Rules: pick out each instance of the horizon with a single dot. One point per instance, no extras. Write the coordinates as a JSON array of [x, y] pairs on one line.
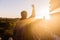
[[12, 8]]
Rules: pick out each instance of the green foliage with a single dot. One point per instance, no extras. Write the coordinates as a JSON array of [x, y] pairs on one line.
[[7, 25]]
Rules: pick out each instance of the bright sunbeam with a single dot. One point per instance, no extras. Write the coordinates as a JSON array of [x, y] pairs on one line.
[[43, 12]]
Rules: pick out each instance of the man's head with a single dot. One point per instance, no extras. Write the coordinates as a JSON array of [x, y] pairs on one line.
[[24, 14]]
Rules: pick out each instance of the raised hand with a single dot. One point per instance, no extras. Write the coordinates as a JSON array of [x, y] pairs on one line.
[[32, 6]]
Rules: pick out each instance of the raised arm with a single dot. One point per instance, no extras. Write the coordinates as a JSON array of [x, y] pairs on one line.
[[33, 12]]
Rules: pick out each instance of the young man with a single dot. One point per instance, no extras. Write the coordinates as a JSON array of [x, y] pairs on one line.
[[22, 30]]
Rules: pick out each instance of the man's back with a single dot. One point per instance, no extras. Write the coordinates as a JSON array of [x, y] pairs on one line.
[[22, 29]]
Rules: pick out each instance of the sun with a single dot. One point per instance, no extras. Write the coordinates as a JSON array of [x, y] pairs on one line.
[[43, 12]]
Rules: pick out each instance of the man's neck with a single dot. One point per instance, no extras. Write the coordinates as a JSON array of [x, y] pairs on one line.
[[22, 18]]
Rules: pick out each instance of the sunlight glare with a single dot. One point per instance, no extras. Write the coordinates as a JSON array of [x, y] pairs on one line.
[[43, 12]]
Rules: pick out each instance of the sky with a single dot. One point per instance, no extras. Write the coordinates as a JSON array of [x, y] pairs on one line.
[[13, 8]]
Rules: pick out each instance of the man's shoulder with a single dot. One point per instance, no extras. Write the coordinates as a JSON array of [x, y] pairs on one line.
[[18, 20]]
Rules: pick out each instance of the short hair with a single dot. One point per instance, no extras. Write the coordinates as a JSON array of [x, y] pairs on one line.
[[24, 11]]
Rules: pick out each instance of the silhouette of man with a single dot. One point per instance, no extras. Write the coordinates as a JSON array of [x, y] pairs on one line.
[[21, 31]]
